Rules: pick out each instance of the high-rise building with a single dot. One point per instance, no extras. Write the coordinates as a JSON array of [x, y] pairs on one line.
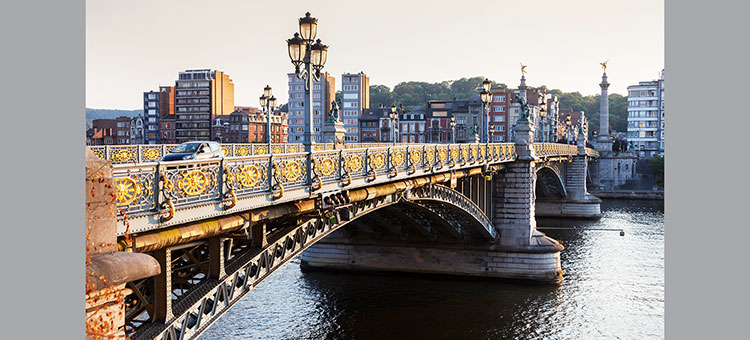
[[646, 117], [151, 105], [355, 97], [324, 92], [156, 105], [201, 96]]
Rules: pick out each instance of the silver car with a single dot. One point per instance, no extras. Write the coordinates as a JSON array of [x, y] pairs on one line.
[[194, 150]]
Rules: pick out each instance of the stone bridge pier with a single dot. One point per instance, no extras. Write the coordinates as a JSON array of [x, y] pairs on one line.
[[567, 195], [384, 241]]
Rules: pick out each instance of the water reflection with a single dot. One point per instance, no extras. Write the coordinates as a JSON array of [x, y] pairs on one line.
[[613, 289]]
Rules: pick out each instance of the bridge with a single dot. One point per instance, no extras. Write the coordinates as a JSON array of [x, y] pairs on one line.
[[193, 237]]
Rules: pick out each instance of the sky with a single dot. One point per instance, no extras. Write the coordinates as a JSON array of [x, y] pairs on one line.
[[137, 45]]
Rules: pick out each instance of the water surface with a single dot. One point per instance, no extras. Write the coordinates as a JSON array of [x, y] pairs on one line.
[[613, 288]]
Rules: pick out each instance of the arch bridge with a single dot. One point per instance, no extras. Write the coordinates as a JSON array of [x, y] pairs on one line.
[[207, 232]]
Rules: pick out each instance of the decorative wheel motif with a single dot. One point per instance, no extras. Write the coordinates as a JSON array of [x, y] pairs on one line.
[[430, 155], [122, 156], [127, 189], [241, 151], [354, 163], [398, 158], [318, 148], [442, 154], [151, 154], [291, 171], [377, 160], [326, 167], [226, 151], [260, 150], [193, 183], [415, 157], [276, 149], [249, 176], [292, 149]]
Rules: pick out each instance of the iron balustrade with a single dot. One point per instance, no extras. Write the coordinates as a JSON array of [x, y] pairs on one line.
[[162, 188]]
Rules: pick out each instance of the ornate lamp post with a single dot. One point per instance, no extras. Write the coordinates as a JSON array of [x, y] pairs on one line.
[[453, 130], [302, 50], [267, 105], [486, 97], [567, 124], [393, 115]]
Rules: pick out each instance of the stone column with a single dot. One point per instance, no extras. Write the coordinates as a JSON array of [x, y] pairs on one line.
[[334, 132], [514, 192], [603, 143], [107, 270]]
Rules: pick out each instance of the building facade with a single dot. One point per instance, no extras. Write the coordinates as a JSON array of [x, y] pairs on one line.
[[151, 111], [355, 97], [324, 92], [201, 96], [138, 130], [502, 98], [167, 129], [412, 126], [646, 117], [247, 125]]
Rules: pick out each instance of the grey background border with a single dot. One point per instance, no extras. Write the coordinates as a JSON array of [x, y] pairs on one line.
[[707, 233], [43, 235], [42, 232]]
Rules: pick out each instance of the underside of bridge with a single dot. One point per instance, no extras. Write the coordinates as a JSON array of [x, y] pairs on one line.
[[424, 229]]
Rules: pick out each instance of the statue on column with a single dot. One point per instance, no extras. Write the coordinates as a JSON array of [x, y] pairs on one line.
[[604, 65], [524, 108], [333, 113]]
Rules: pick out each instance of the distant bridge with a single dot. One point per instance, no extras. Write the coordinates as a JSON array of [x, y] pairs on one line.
[[219, 227]]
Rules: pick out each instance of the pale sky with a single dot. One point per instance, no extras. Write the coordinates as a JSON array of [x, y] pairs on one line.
[[136, 45]]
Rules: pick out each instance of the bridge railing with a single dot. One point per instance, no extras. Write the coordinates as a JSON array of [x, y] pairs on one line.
[[164, 187], [120, 154], [160, 189]]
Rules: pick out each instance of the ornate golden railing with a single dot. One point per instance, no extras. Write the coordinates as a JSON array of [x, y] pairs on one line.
[[161, 188]]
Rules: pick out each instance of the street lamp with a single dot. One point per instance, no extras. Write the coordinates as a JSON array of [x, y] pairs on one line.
[[393, 115], [486, 97], [492, 131], [453, 130], [303, 49], [542, 115], [267, 105], [567, 123]]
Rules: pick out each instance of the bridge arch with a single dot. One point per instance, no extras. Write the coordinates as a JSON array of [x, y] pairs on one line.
[[206, 302], [549, 183]]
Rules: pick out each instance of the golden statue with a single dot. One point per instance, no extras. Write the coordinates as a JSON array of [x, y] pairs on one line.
[[604, 65], [523, 69]]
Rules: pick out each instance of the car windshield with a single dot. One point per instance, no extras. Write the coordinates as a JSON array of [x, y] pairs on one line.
[[186, 148]]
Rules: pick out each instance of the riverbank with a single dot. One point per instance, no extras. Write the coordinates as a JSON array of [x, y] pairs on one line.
[[630, 194]]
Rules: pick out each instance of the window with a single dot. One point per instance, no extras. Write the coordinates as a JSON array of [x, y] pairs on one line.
[[500, 108], [499, 99], [151, 104], [498, 118]]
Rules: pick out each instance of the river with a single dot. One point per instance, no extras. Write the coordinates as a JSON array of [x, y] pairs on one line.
[[613, 288]]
